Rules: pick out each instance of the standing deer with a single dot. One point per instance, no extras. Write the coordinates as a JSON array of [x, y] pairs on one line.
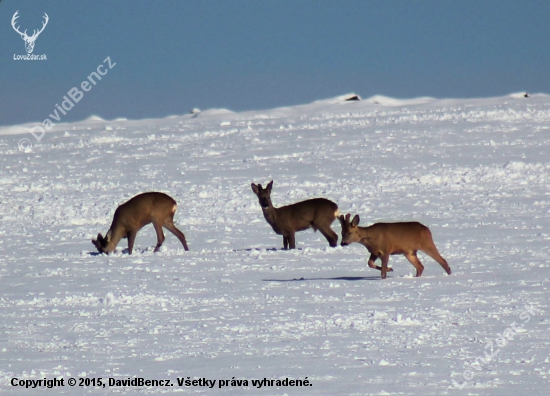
[[317, 213], [385, 239], [132, 216]]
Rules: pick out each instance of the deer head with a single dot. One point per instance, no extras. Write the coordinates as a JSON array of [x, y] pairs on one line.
[[101, 243], [349, 229], [264, 194], [29, 40]]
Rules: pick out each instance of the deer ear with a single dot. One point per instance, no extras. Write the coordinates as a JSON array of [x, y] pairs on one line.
[[269, 186], [98, 242], [255, 188], [355, 221], [341, 218]]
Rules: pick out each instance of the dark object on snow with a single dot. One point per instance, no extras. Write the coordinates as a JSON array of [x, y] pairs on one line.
[[352, 98], [526, 95]]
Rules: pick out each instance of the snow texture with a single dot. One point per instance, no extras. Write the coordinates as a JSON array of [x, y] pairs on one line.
[[476, 171]]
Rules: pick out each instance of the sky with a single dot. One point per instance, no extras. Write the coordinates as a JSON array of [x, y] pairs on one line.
[[172, 56]]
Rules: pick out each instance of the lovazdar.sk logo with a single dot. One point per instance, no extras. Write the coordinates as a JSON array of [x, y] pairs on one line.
[[29, 40]]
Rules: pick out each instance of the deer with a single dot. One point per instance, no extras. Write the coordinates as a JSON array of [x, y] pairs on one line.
[[29, 40], [130, 217], [316, 213], [385, 239]]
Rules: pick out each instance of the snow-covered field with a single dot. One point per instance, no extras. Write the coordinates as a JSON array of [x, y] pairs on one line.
[[236, 306]]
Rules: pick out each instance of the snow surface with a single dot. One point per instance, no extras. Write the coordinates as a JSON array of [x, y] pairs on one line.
[[475, 171]]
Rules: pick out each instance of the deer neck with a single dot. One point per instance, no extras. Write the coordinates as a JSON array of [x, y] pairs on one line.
[[114, 235], [270, 214]]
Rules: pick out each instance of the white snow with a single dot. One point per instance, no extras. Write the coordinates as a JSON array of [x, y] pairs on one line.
[[392, 102], [476, 171], [94, 118]]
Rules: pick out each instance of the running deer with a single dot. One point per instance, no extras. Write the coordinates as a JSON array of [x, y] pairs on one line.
[[385, 239], [317, 213], [132, 216]]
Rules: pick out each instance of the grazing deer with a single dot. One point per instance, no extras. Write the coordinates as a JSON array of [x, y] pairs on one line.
[[317, 213], [385, 239], [132, 216]]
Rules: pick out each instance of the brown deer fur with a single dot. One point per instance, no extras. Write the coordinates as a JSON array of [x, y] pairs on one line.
[[131, 216], [317, 213], [385, 239]]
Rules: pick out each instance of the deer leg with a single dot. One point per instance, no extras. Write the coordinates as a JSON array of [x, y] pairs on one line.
[[285, 242], [173, 229], [330, 235], [291, 241], [160, 236], [415, 262], [385, 258], [131, 238], [372, 259], [433, 253]]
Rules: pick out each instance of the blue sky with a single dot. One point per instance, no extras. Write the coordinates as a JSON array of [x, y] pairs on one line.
[[172, 56]]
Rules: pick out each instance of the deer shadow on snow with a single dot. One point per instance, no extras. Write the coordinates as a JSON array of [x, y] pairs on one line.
[[271, 249], [124, 251], [336, 278], [302, 279]]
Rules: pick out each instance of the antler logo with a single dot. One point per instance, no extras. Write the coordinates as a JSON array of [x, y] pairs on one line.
[[29, 40]]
